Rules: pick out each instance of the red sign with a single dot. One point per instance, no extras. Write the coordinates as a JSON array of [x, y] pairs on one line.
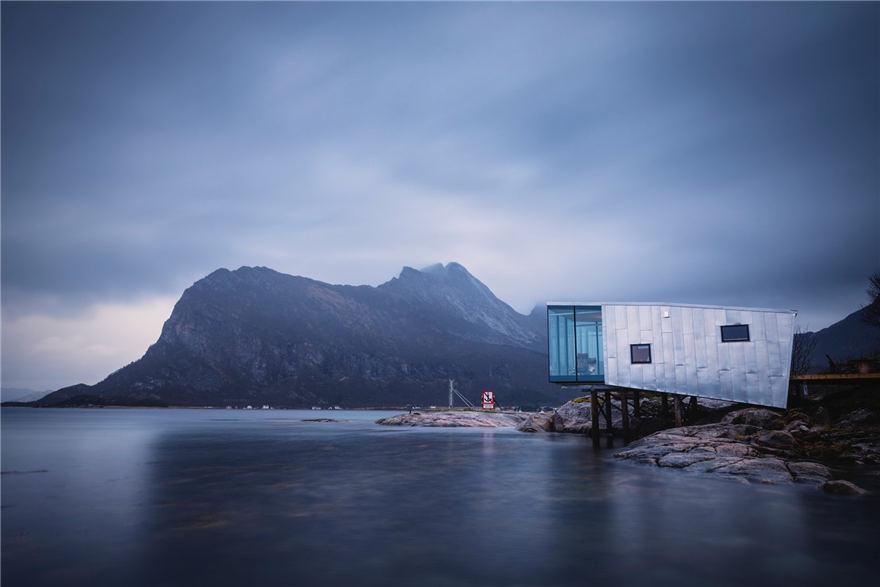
[[488, 399]]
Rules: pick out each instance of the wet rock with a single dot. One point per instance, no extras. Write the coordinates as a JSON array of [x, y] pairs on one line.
[[841, 487], [809, 472], [538, 422], [759, 417], [457, 419]]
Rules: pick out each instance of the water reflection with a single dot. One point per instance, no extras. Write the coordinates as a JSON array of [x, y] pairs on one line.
[[167, 497]]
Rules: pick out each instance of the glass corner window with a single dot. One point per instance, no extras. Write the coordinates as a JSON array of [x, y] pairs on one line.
[[575, 344]]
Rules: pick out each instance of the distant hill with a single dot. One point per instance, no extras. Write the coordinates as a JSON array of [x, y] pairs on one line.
[[256, 336], [850, 338], [18, 394]]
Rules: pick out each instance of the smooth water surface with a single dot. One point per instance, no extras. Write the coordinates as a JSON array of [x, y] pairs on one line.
[[217, 497]]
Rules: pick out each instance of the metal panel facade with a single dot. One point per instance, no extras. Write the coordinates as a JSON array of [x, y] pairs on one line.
[[688, 356]]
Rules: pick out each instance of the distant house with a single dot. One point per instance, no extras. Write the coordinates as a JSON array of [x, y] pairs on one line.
[[733, 354]]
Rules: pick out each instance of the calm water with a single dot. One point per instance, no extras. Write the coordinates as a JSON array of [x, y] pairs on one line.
[[213, 497]]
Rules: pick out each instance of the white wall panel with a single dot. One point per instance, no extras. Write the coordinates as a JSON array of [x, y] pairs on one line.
[[688, 356]]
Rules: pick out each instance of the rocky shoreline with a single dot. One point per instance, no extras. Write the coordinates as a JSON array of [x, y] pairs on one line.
[[456, 419], [763, 446], [810, 445], [799, 446]]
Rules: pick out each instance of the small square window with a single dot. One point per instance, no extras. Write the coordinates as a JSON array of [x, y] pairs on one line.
[[640, 353], [735, 333]]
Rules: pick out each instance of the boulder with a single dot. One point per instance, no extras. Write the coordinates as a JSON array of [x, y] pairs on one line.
[[538, 422], [576, 416], [841, 487], [759, 417], [778, 439]]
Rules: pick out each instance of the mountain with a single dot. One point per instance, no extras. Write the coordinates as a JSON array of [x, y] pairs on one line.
[[18, 394], [850, 338], [256, 336]]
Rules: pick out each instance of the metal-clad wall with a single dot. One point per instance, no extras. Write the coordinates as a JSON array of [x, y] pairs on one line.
[[689, 358]]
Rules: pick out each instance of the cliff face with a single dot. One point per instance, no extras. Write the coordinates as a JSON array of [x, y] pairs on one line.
[[257, 336]]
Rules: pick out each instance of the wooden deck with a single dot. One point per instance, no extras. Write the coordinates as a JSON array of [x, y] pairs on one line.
[[835, 377]]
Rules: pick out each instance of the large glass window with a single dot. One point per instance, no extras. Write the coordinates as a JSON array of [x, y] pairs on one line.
[[575, 338], [560, 330]]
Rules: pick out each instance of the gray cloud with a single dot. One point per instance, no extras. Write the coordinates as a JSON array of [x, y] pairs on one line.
[[693, 152]]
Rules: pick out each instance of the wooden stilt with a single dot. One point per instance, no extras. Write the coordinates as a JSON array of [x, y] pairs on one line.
[[676, 402], [608, 412], [664, 405], [594, 414], [637, 412], [624, 410]]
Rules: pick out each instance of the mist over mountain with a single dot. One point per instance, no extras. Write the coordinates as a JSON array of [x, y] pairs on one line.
[[257, 336], [20, 394]]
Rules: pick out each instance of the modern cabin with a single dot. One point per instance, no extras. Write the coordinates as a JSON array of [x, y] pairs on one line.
[[733, 354]]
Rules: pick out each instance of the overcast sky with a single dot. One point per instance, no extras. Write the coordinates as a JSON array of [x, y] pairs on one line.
[[723, 154]]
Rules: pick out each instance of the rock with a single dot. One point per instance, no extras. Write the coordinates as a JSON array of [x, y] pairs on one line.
[[457, 419], [759, 417], [713, 404], [809, 472], [735, 449], [761, 470], [576, 416], [796, 426], [777, 439], [679, 460], [821, 417], [725, 450], [857, 418], [538, 422], [841, 487]]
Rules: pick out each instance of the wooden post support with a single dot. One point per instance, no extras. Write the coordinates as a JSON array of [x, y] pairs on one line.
[[677, 408], [637, 412], [624, 410], [664, 405], [594, 413], [608, 412]]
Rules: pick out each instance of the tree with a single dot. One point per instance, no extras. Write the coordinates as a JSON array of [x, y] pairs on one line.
[[802, 351]]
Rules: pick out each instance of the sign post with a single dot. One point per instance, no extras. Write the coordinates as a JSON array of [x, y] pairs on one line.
[[488, 399]]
